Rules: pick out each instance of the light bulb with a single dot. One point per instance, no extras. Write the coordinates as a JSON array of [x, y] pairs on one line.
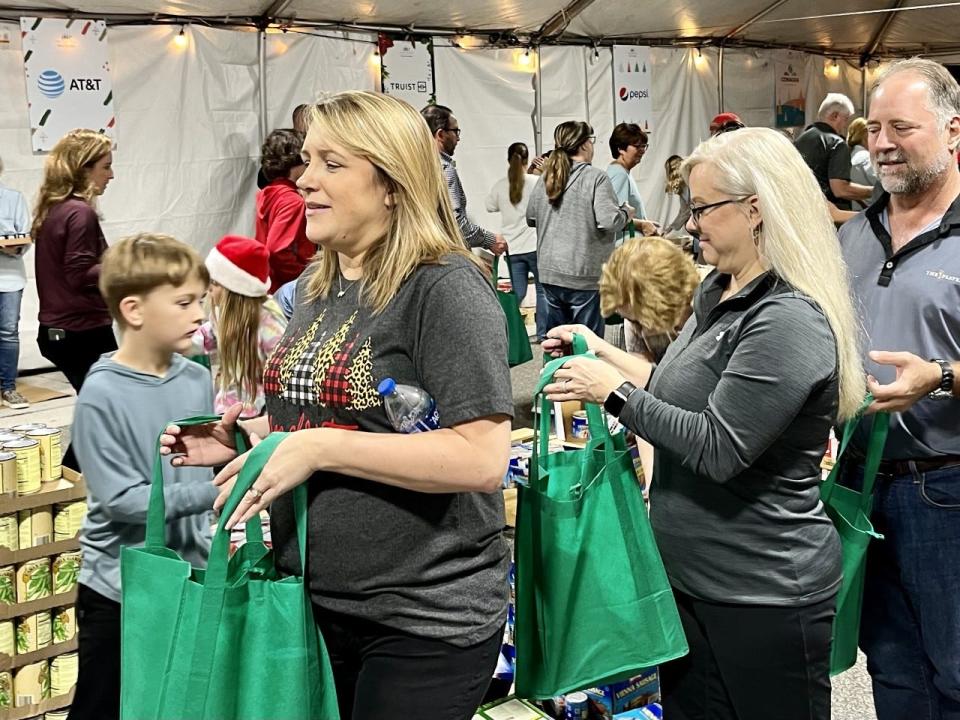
[[525, 59], [181, 39], [375, 58]]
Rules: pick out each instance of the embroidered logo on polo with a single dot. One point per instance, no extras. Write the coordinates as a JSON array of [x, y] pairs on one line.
[[941, 275], [326, 369]]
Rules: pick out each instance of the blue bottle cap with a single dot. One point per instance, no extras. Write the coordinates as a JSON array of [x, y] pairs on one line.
[[387, 386]]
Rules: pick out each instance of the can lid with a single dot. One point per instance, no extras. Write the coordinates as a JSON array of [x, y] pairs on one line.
[[42, 432], [21, 443], [4, 456], [27, 426], [579, 697]]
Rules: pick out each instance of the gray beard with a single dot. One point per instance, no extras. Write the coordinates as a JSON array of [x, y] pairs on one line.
[[915, 180]]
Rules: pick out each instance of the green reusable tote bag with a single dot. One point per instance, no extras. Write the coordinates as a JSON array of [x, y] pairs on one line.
[[520, 351], [593, 601], [235, 641], [850, 512]]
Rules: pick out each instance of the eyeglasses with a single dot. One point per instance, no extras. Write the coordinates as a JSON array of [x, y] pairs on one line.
[[453, 130], [642, 148], [592, 138], [698, 211]]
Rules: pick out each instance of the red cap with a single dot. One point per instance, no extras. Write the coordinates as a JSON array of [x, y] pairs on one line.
[[722, 119]]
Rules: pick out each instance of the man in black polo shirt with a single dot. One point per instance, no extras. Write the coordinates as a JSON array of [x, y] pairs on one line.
[[904, 258], [825, 150]]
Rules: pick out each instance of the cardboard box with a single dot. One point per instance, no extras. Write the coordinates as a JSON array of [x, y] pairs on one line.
[[608, 700], [510, 708], [653, 711]]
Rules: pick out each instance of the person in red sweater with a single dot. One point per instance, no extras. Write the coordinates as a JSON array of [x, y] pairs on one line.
[[75, 325], [281, 222]]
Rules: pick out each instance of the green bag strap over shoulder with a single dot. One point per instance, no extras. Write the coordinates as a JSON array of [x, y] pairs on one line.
[[157, 510], [880, 426], [216, 579]]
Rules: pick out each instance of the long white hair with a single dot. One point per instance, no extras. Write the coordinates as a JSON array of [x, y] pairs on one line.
[[797, 239]]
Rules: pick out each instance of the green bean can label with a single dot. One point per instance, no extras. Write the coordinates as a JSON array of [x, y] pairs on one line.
[[6, 690], [7, 639], [9, 532], [64, 624], [31, 684], [33, 632], [63, 673], [66, 571], [8, 585], [36, 526], [8, 473], [28, 464], [34, 580], [50, 452]]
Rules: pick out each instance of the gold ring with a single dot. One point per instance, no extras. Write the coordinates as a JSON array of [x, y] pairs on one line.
[[256, 493]]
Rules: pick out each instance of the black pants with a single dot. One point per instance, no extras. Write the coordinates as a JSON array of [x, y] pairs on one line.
[[73, 355], [382, 674], [98, 683], [750, 662]]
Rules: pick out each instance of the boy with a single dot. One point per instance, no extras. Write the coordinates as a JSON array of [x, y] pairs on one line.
[[153, 286]]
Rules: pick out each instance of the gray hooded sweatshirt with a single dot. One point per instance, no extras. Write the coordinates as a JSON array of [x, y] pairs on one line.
[[575, 238], [119, 416]]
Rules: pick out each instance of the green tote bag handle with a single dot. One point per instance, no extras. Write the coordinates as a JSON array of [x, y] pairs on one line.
[[157, 510], [874, 455]]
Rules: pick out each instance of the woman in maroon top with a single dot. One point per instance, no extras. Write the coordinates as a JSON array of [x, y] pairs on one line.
[[281, 219], [75, 325]]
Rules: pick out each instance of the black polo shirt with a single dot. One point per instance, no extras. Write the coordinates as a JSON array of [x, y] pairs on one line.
[[828, 155]]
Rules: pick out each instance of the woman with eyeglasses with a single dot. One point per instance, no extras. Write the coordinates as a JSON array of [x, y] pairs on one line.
[[628, 144], [739, 410], [577, 215]]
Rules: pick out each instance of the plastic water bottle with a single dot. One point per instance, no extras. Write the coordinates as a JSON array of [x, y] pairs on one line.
[[409, 409]]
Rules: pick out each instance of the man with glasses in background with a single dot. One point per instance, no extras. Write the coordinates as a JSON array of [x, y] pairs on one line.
[[446, 133]]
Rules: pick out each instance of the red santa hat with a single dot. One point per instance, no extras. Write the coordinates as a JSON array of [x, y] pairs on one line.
[[241, 265]]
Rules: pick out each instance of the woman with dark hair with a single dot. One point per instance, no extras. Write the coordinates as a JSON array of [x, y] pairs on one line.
[[577, 216], [628, 144], [509, 197], [281, 222]]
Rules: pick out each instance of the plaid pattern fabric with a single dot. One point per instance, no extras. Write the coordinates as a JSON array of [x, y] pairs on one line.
[[335, 390], [300, 388], [473, 234]]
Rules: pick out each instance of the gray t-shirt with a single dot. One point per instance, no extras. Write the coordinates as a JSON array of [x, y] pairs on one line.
[[432, 565], [739, 411]]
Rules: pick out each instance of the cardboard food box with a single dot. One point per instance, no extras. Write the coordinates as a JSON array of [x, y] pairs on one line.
[[510, 708], [608, 700]]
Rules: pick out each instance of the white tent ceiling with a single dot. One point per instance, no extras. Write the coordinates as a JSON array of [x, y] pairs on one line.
[[854, 27]]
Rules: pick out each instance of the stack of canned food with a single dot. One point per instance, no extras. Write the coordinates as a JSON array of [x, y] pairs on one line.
[[29, 456]]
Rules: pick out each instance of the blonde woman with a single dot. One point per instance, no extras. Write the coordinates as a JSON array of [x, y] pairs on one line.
[[407, 566], [739, 410], [75, 325], [861, 169]]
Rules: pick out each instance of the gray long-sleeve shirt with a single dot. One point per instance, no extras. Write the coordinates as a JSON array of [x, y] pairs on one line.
[[576, 237], [739, 411]]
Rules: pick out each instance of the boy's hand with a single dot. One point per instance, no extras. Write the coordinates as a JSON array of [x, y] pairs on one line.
[[202, 445]]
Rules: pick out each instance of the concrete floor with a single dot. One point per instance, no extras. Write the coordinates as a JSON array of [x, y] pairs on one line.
[[852, 699]]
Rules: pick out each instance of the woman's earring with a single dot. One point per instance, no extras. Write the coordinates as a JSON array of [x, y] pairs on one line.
[[757, 234]]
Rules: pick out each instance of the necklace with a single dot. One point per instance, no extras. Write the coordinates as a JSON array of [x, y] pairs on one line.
[[343, 291]]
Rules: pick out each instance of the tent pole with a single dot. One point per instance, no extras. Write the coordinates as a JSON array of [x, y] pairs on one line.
[[262, 57], [538, 106], [863, 87], [720, 79]]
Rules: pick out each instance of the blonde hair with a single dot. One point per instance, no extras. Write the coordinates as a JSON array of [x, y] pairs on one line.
[[236, 320], [857, 132], [567, 137], [796, 239], [141, 263], [652, 280], [394, 137], [65, 171]]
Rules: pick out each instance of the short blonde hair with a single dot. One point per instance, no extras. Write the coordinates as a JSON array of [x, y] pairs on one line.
[[394, 137], [141, 263], [857, 132], [650, 279]]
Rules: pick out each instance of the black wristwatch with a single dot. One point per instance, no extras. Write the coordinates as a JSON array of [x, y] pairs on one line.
[[618, 398], [946, 380]]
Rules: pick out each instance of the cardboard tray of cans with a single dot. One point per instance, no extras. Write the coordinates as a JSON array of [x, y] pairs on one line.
[[8, 663], [8, 612], [31, 711], [70, 487]]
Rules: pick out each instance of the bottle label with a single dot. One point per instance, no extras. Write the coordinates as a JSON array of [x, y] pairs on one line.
[[431, 421]]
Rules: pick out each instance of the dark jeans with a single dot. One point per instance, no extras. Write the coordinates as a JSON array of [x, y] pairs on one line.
[[73, 356], [910, 628], [98, 682], [382, 674], [9, 338], [750, 662], [566, 306], [521, 266]]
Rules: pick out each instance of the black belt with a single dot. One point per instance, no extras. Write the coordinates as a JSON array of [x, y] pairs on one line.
[[906, 467]]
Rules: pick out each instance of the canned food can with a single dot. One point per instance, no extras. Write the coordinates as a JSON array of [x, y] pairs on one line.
[[28, 464], [579, 427], [7, 435], [67, 519], [576, 706], [64, 624], [35, 526], [6, 690], [8, 585], [33, 632], [9, 532], [8, 472], [66, 570], [33, 580], [50, 452], [24, 428], [56, 714], [63, 673], [7, 638], [31, 684]]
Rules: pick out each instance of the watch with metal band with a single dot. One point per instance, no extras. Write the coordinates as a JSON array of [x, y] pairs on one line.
[[946, 380], [618, 398]]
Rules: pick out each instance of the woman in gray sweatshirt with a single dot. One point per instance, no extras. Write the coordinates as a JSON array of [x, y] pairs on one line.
[[577, 216]]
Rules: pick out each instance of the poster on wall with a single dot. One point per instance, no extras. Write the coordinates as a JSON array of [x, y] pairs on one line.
[[791, 104], [68, 78], [632, 72], [406, 70]]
